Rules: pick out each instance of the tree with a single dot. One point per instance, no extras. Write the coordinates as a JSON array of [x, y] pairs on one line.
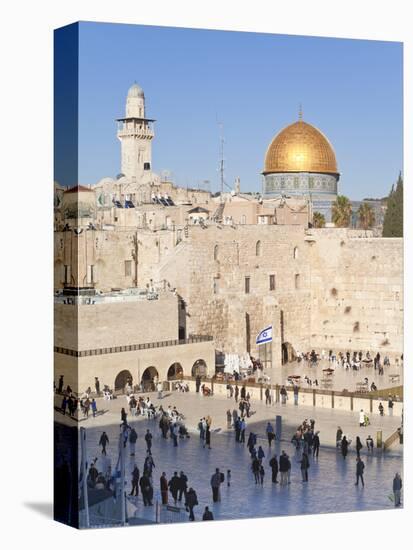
[[318, 219], [393, 219], [366, 215], [341, 211]]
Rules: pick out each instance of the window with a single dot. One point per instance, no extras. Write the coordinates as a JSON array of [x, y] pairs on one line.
[[295, 253], [216, 252], [272, 282], [258, 248], [216, 285], [128, 268], [90, 274], [67, 274], [247, 285], [146, 165], [297, 281]]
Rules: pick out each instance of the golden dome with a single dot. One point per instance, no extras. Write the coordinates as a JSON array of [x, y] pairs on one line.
[[300, 147]]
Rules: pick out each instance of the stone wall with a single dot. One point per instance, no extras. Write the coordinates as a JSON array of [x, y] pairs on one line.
[[356, 292]]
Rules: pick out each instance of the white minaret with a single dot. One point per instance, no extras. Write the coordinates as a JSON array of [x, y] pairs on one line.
[[135, 133]]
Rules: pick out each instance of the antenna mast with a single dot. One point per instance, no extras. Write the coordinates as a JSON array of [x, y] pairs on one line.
[[221, 161]]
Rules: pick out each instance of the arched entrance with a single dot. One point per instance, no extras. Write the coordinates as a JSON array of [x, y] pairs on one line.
[[287, 353], [175, 371], [199, 368], [123, 378], [150, 377]]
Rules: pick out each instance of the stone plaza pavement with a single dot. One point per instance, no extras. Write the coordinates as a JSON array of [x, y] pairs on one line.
[[331, 479], [342, 378]]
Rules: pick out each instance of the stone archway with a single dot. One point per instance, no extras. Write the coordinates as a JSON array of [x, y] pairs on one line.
[[150, 377], [123, 378], [199, 368], [175, 372], [287, 353]]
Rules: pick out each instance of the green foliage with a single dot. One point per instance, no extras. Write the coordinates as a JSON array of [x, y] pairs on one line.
[[341, 211], [393, 219], [366, 216], [319, 219]]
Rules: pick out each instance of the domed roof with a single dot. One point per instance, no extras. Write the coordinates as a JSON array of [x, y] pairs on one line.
[[300, 147], [135, 91]]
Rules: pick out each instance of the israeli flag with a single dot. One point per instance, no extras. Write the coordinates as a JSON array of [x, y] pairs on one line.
[[264, 336]]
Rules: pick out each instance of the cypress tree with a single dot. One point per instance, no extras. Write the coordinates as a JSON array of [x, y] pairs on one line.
[[393, 219]]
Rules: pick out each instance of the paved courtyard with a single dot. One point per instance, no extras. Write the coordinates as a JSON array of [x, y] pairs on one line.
[[341, 378], [331, 479]]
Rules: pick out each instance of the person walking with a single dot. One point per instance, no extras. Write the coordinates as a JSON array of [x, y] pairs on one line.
[[97, 386], [229, 419], [103, 441], [370, 444], [359, 446], [64, 405], [148, 439], [208, 515], [197, 383], [94, 407], [344, 446], [381, 409], [146, 490], [267, 396], [397, 487], [390, 405], [260, 453], [159, 388], [255, 467], [135, 482], [283, 393], [191, 502], [133, 436], [163, 483], [361, 419], [304, 465], [236, 393], [175, 432], [296, 390], [216, 481], [174, 486], [339, 435], [284, 468], [228, 478], [123, 416], [270, 433], [274, 469], [262, 474], [207, 437], [243, 425], [60, 386], [183, 486], [359, 471], [316, 444]]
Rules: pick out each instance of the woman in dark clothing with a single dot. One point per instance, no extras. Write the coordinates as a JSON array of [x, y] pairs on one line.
[[344, 446], [146, 489], [123, 416], [164, 488], [191, 501], [207, 438], [359, 446], [305, 464]]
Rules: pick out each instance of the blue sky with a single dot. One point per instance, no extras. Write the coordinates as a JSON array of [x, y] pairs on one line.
[[253, 84]]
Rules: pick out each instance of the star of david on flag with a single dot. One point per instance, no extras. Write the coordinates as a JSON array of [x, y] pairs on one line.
[[264, 336]]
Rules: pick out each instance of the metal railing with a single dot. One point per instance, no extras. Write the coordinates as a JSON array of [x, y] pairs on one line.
[[133, 347]]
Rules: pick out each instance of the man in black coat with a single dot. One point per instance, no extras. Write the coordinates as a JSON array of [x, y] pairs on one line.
[[274, 468], [135, 482], [191, 501], [316, 444], [173, 485], [183, 486], [359, 471], [146, 489]]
